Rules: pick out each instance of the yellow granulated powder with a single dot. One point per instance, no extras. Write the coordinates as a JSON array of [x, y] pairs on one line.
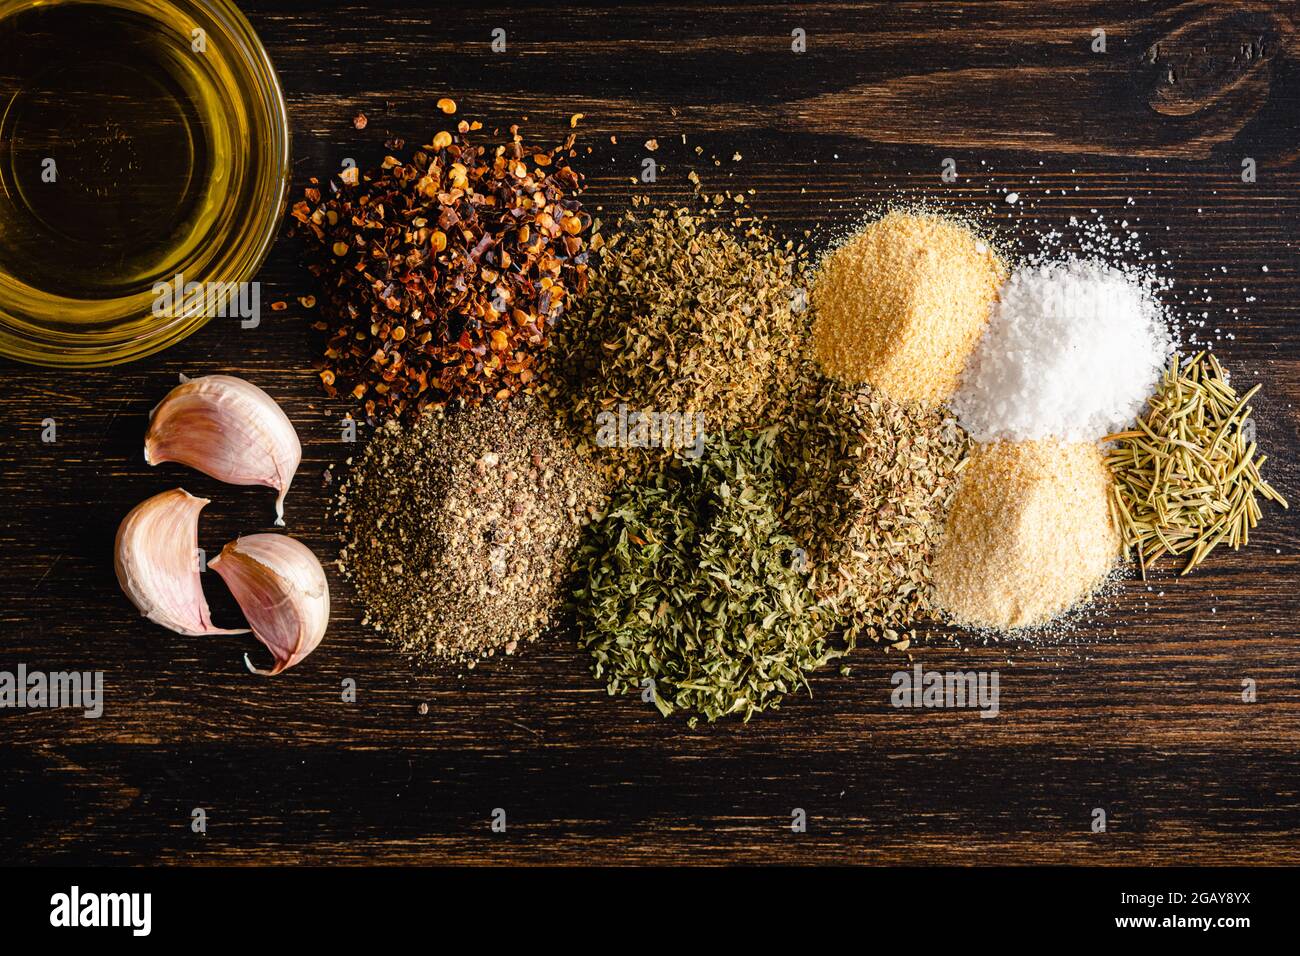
[[901, 305], [1029, 535]]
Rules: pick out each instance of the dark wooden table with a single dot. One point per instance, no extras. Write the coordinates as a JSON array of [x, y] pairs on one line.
[[1139, 713]]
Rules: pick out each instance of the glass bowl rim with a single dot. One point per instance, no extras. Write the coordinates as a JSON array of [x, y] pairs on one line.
[[54, 351]]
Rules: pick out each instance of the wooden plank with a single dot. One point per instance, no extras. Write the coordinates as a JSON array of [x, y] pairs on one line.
[[1138, 712]]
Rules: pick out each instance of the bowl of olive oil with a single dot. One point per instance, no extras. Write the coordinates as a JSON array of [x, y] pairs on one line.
[[144, 148]]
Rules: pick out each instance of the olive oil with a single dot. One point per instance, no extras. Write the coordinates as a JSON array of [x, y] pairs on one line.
[[140, 141]]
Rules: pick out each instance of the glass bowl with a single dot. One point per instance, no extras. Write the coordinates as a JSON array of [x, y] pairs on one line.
[[144, 152]]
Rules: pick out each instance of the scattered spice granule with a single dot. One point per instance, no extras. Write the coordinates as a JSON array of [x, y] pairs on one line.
[[1030, 534], [902, 303], [458, 529], [360, 121]]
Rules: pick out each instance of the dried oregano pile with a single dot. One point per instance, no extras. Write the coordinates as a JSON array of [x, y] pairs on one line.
[[458, 529], [692, 591], [869, 481], [688, 312]]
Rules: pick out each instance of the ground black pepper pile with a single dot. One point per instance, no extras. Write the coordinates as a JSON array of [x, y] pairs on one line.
[[458, 529]]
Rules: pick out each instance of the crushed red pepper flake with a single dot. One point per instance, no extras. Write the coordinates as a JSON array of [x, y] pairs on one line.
[[443, 275]]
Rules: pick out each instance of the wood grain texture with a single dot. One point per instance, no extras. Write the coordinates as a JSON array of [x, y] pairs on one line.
[[1138, 712]]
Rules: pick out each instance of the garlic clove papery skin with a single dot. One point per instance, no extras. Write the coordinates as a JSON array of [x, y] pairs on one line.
[[229, 429], [282, 590], [157, 562]]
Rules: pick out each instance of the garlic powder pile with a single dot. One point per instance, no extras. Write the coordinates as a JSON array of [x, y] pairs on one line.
[[1073, 350], [901, 304]]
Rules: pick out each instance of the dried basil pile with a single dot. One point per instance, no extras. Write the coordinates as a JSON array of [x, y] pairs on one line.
[[689, 581], [442, 276]]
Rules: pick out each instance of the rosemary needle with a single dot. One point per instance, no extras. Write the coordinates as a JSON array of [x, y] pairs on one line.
[[1186, 478]]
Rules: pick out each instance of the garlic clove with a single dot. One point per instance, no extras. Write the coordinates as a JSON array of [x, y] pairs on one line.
[[281, 588], [156, 559], [229, 429]]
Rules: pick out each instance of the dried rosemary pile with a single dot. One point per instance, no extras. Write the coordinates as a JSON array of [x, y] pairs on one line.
[[690, 590], [458, 529], [687, 313], [442, 275], [1187, 477], [869, 483]]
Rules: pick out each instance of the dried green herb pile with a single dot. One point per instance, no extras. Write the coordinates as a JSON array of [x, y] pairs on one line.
[[687, 312], [869, 482], [442, 275], [689, 580], [458, 530], [1187, 478]]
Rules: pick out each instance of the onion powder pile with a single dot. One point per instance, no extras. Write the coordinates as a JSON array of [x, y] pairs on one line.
[[1073, 351], [1029, 536]]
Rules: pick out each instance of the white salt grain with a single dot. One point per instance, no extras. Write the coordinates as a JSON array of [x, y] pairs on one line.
[[1072, 351]]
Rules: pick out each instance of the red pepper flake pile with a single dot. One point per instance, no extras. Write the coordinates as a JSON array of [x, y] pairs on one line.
[[442, 276]]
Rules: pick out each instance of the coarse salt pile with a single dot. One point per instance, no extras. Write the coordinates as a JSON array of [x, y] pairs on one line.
[[1030, 534], [901, 305], [1073, 350]]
